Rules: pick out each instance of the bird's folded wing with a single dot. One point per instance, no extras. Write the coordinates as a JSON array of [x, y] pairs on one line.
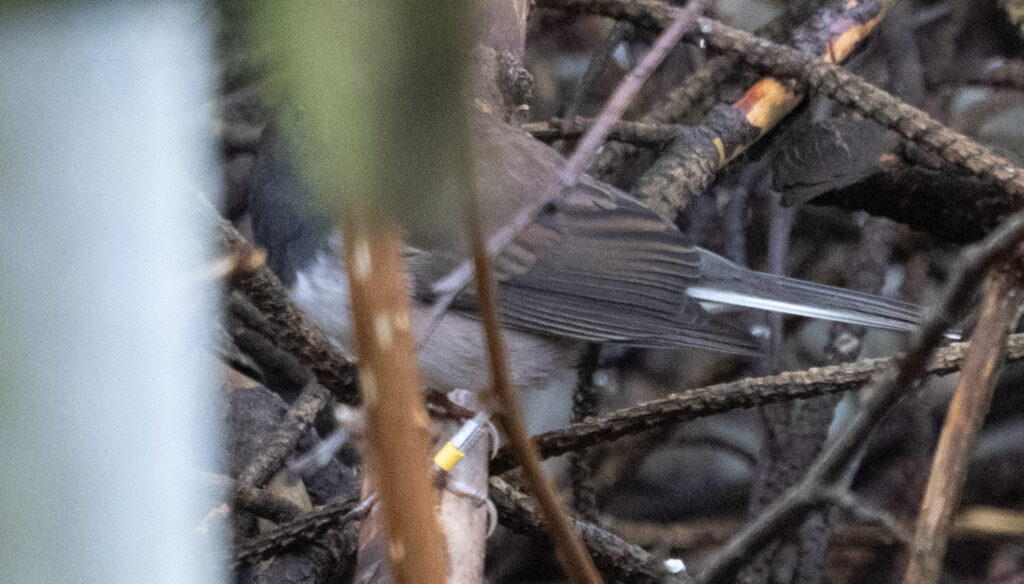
[[598, 266]]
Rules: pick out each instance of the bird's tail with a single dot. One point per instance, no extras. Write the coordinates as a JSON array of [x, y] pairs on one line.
[[726, 283]]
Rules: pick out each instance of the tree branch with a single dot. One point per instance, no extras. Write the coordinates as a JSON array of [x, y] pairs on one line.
[[967, 412], [746, 393]]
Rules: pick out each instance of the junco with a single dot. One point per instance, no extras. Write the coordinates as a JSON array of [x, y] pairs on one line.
[[596, 266]]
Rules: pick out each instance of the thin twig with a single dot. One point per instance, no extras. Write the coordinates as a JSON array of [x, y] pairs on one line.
[[306, 527], [652, 135], [460, 277], [575, 560], [683, 21], [885, 392], [960, 432]]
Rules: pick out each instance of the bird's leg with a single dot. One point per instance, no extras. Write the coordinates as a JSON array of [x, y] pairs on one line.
[[453, 451]]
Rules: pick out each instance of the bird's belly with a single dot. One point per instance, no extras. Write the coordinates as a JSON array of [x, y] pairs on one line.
[[542, 369], [455, 355]]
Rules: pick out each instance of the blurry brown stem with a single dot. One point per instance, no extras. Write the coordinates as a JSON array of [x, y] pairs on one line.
[[397, 426], [575, 560], [960, 432]]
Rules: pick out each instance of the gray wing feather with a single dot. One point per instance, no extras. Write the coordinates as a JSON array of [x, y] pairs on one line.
[[598, 266]]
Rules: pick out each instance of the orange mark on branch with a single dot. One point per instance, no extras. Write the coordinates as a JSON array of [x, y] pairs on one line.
[[847, 41], [768, 101], [764, 104], [751, 97]]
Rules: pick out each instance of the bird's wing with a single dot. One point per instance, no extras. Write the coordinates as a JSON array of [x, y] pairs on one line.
[[598, 266], [595, 265]]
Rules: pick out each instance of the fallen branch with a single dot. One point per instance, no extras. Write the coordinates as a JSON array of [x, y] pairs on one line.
[[746, 393], [622, 560], [309, 526], [290, 328], [296, 422]]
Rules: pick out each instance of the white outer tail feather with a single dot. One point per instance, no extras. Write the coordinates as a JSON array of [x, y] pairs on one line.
[[733, 298]]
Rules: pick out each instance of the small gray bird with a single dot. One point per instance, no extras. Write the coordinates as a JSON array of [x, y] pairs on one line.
[[595, 266]]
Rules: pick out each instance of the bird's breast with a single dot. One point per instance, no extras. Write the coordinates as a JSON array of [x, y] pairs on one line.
[[454, 356]]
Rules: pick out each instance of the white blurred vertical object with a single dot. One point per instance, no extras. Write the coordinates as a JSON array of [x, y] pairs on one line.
[[104, 404]]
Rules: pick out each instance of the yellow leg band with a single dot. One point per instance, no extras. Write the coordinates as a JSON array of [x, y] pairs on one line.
[[448, 457]]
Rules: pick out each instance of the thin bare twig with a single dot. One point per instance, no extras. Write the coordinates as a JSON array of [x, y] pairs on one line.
[[653, 135], [960, 432], [460, 277], [683, 21], [575, 560]]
